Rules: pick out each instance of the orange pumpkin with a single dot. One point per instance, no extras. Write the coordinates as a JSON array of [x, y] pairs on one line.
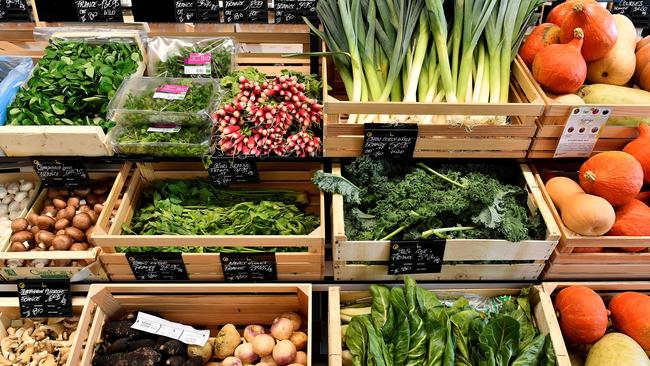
[[642, 42], [644, 197], [543, 35], [631, 315], [597, 24], [642, 71], [632, 219], [613, 175], [560, 68], [558, 13], [640, 149], [582, 314]]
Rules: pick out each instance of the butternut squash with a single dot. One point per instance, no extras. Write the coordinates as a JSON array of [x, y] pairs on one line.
[[618, 65], [582, 213]]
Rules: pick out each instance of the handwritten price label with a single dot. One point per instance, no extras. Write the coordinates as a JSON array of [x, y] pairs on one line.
[[157, 266], [390, 140], [416, 256], [44, 298]]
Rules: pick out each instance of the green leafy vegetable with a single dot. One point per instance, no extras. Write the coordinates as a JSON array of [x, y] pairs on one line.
[[221, 53], [330, 183], [139, 139]]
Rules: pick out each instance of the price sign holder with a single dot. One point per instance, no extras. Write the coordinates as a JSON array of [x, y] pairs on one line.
[[246, 11], [242, 267], [637, 10], [44, 298], [61, 172], [185, 11], [390, 140], [292, 11], [157, 266], [224, 171], [416, 256], [208, 11], [14, 11], [581, 131], [95, 11]]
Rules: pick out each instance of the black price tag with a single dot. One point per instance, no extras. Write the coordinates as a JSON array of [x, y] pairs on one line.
[[416, 256], [208, 11], [226, 171], [307, 9], [61, 172], [637, 10], [246, 11], [157, 266], [44, 298], [14, 11], [95, 11], [285, 12], [185, 11], [242, 267], [390, 140]]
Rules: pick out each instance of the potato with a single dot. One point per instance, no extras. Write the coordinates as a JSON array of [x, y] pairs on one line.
[[19, 225], [281, 329], [284, 352], [296, 321], [252, 331], [204, 352], [299, 339], [226, 341], [263, 344], [245, 353]]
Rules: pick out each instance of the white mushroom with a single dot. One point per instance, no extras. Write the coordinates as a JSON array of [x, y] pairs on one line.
[[7, 199], [26, 186], [13, 206], [4, 208], [15, 263], [13, 187], [20, 196], [3, 192]]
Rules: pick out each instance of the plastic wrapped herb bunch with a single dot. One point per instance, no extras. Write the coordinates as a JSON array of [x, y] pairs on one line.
[[195, 57]]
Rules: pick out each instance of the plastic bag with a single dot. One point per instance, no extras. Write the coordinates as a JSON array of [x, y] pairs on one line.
[[194, 57], [95, 33], [13, 73]]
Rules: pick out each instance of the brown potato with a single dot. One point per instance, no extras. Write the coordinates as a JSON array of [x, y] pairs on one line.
[[61, 224], [62, 242], [76, 234], [22, 236], [19, 225], [59, 203], [46, 222]]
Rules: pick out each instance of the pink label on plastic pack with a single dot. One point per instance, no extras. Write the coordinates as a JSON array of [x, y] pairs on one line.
[[173, 89], [198, 59]]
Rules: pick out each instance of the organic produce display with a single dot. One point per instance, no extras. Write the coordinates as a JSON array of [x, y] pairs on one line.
[[583, 319], [160, 141], [73, 83], [268, 117], [65, 222], [411, 326], [420, 50], [14, 199], [191, 56], [38, 342], [284, 344], [390, 200]]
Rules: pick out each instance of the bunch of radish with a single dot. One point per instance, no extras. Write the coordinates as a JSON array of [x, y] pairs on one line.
[[273, 117]]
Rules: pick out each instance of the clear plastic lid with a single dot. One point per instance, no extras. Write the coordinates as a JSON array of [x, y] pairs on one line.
[[166, 140]]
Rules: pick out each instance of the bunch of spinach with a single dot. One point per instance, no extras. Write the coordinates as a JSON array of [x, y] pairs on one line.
[[410, 326], [138, 139], [221, 51], [73, 83], [388, 200]]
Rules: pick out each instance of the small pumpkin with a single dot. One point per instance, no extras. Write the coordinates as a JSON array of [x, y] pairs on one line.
[[597, 24], [644, 197], [613, 175], [630, 312], [543, 35], [632, 219], [618, 65], [640, 149], [558, 13], [560, 68], [582, 314], [582, 213], [642, 42]]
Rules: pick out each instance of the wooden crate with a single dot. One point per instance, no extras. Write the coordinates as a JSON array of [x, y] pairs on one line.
[[10, 310], [27, 176], [198, 305], [308, 265], [524, 260], [93, 272], [551, 125], [607, 290], [566, 265], [343, 139], [540, 302]]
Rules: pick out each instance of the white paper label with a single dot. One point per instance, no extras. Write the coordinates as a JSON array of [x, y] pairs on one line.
[[581, 131], [155, 325], [197, 69], [164, 129], [171, 92]]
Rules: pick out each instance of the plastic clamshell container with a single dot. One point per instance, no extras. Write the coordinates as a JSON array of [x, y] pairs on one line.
[[194, 143]]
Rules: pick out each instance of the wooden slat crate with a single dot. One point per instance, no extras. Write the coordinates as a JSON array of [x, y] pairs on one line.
[[607, 290], [609, 265], [308, 265], [518, 261], [551, 125], [343, 139], [94, 271], [540, 302], [15, 177], [205, 306]]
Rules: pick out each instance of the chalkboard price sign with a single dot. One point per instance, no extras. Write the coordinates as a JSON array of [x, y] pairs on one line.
[[307, 9], [226, 171], [637, 10], [14, 11], [285, 12], [246, 11], [239, 267], [157, 266], [390, 140], [94, 11], [44, 298], [61, 172], [416, 256], [208, 11], [197, 11], [185, 10]]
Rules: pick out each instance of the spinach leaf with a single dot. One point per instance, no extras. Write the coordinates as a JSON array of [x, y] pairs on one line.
[[499, 340], [356, 338], [402, 331], [418, 337], [531, 352]]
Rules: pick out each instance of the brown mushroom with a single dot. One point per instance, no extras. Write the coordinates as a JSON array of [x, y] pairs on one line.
[[98, 208], [61, 224], [84, 208], [76, 234], [69, 213], [45, 222], [17, 247], [62, 263], [59, 203], [100, 190], [52, 193], [79, 246], [60, 232], [35, 229], [89, 233], [91, 199], [44, 237], [22, 236], [82, 192], [19, 225], [73, 201], [93, 216], [32, 217], [62, 242], [82, 221], [49, 210]]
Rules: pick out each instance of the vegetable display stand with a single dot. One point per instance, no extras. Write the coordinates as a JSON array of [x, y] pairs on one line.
[[303, 261], [66, 138], [464, 259], [551, 124], [609, 263], [540, 303], [61, 349], [80, 264], [512, 140], [202, 306]]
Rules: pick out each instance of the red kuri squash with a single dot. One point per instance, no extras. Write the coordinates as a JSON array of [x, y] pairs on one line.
[[543, 35], [596, 22], [582, 314], [560, 68], [613, 175], [631, 315], [558, 13], [632, 219], [640, 149]]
